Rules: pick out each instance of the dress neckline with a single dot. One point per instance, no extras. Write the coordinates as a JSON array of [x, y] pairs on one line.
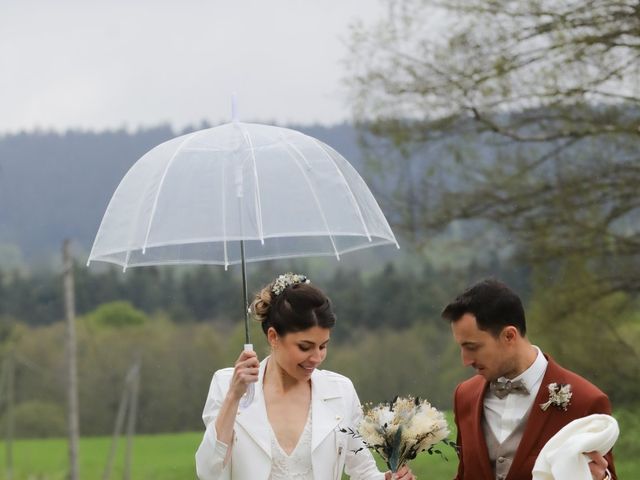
[[305, 430]]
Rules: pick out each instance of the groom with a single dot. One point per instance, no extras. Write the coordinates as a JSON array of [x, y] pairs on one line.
[[502, 426]]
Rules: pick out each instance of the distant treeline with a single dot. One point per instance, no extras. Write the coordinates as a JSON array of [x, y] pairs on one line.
[[177, 362], [392, 297], [183, 324]]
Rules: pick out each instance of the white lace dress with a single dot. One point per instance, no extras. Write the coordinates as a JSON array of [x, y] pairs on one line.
[[297, 465]]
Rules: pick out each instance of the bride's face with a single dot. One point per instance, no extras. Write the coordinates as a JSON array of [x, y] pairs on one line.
[[300, 353]]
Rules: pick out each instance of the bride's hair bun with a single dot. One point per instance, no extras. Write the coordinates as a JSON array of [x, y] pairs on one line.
[[261, 304]]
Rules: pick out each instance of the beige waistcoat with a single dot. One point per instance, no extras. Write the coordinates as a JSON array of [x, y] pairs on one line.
[[501, 454]]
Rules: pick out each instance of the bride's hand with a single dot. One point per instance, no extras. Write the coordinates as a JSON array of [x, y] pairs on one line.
[[403, 473], [245, 372]]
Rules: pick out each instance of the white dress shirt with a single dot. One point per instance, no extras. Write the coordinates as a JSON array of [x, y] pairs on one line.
[[504, 414]]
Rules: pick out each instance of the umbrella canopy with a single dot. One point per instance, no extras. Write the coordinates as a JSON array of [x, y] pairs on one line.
[[192, 199]]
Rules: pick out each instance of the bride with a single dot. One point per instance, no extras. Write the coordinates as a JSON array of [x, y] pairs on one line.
[[292, 429]]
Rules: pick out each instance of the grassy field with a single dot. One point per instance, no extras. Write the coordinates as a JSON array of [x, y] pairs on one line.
[[171, 457], [155, 457]]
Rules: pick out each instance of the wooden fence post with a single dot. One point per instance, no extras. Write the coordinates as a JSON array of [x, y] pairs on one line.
[[72, 379]]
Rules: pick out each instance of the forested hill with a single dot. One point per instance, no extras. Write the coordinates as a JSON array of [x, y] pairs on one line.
[[56, 185]]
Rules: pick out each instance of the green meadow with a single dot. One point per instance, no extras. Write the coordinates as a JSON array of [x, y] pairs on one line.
[[171, 457], [155, 457]]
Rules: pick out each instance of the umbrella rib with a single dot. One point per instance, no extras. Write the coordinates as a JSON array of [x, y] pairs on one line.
[[224, 218], [313, 192], [155, 200], [247, 138], [351, 194]]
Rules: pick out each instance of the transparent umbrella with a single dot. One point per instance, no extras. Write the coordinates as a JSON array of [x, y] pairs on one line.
[[193, 199], [237, 193]]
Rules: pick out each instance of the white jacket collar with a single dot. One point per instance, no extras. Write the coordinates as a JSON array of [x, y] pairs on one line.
[[326, 411]]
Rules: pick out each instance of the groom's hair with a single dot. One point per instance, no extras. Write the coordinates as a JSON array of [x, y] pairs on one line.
[[494, 305]]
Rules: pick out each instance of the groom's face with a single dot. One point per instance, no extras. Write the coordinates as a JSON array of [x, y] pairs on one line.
[[479, 349]]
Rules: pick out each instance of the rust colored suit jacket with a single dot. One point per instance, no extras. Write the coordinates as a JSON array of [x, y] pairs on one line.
[[541, 426]]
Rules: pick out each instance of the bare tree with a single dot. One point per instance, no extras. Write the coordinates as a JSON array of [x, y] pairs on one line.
[[525, 114], [518, 122]]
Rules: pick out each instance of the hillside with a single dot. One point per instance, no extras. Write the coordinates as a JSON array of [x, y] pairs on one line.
[[56, 185]]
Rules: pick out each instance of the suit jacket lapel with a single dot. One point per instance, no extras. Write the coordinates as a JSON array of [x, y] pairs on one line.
[[537, 418], [326, 409], [481, 441], [253, 419]]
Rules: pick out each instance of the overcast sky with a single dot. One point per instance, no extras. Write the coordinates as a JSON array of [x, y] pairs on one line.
[[111, 64]]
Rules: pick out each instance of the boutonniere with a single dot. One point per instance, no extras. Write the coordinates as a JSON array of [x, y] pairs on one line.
[[559, 396]]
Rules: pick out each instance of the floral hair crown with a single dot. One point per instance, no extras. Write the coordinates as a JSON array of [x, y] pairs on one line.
[[286, 280]]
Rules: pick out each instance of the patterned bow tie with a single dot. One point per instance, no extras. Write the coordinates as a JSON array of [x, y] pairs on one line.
[[501, 388]]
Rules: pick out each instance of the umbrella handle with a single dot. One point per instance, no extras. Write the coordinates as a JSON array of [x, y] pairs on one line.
[[247, 398]]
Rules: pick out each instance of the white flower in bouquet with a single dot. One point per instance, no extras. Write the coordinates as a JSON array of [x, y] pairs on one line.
[[399, 430]]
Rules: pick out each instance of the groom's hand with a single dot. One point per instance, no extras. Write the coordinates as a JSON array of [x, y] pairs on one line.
[[598, 466]]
